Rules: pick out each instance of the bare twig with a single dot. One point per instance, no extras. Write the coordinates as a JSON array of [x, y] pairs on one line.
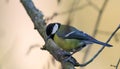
[[51, 17], [116, 66], [101, 48], [71, 13], [31, 47], [93, 5], [74, 9], [58, 1], [66, 12], [118, 63], [116, 37], [96, 28], [99, 17]]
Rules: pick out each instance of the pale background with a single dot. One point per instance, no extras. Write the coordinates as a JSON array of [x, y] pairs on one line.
[[17, 34]]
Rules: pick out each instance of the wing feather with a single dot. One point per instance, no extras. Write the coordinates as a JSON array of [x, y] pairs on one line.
[[73, 33]]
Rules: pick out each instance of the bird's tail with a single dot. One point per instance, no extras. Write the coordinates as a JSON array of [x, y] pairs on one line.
[[101, 43]]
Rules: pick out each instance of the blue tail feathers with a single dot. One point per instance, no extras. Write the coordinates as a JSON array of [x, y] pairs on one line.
[[102, 43]]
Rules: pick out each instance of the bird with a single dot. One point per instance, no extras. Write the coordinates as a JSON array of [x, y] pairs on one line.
[[70, 38]]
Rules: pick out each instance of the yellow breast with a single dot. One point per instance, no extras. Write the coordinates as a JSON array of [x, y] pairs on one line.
[[66, 44]]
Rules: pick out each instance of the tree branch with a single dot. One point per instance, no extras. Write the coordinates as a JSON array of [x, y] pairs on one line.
[[60, 55], [39, 24]]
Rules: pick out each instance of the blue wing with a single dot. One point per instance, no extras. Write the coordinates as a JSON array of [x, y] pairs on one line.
[[73, 33]]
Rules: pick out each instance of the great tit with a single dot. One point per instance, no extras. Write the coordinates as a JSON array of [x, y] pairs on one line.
[[69, 38]]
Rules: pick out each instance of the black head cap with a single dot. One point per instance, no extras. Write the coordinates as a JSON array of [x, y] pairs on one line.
[[52, 29]]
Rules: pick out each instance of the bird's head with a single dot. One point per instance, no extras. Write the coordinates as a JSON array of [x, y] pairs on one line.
[[52, 29]]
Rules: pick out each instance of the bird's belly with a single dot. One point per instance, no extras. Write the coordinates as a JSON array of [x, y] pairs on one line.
[[67, 44]]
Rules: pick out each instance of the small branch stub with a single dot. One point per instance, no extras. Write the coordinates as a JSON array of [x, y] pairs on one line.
[[39, 23], [60, 55]]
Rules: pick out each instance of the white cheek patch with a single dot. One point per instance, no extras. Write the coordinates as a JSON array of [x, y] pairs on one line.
[[55, 28]]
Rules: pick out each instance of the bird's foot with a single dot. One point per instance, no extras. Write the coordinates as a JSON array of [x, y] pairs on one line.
[[67, 58], [71, 59]]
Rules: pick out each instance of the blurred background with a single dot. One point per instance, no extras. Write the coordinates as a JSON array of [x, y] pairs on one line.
[[20, 44]]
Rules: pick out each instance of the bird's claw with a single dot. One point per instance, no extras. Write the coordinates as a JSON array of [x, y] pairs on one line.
[[71, 60]]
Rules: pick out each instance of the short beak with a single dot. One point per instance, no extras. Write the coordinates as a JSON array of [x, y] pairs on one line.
[[48, 37]]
